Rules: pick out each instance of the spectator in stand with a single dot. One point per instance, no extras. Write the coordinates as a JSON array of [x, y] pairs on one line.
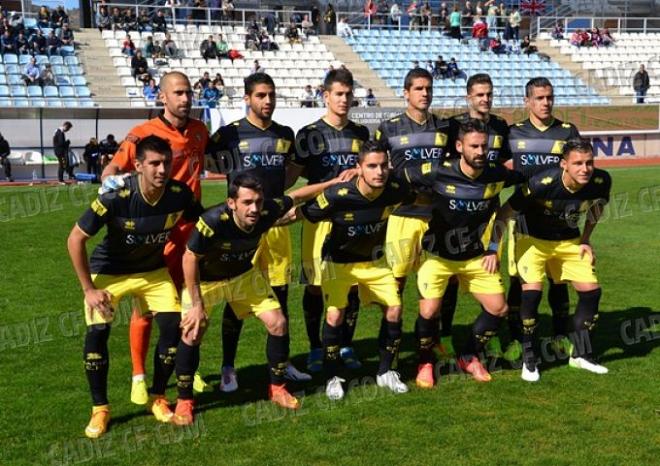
[[440, 68], [413, 15], [211, 95], [330, 20], [151, 90], [270, 22], [38, 43], [425, 14], [316, 18], [318, 96], [159, 23], [130, 20], [128, 47], [467, 15], [496, 46], [514, 22], [265, 44], [382, 12], [251, 39], [478, 11], [209, 49], [140, 68], [576, 38], [103, 19], [148, 47], [369, 11], [585, 38], [169, 46], [43, 17], [91, 156], [157, 51], [144, 22], [5, 150], [480, 33], [292, 34], [641, 84], [52, 44], [491, 16], [46, 76], [343, 29], [66, 35], [61, 148], [596, 39], [307, 97], [202, 83], [257, 68], [108, 148], [219, 84], [429, 66], [7, 43], [59, 18], [443, 17], [558, 31], [31, 73], [455, 24], [607, 37], [452, 69], [502, 18], [21, 44], [223, 47], [395, 14], [117, 19], [228, 10], [307, 26], [526, 46], [370, 99]]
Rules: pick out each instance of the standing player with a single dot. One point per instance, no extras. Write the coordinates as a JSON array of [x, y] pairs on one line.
[[188, 138], [412, 138], [325, 149], [140, 217], [552, 204], [536, 145], [353, 254], [218, 266], [480, 102], [465, 196], [258, 145]]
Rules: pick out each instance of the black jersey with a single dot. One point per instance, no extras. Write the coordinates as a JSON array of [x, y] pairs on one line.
[[358, 223], [551, 211], [137, 230], [227, 250], [325, 151], [498, 137], [411, 144], [534, 150], [462, 206], [242, 147]]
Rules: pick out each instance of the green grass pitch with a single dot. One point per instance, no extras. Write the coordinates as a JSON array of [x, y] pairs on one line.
[[570, 417]]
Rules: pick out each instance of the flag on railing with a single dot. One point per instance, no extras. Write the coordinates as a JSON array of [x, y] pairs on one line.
[[532, 7]]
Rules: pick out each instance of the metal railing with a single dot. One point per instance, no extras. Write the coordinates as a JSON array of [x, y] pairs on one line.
[[614, 24]]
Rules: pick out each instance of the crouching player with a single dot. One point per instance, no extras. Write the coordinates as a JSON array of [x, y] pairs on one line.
[[218, 267], [551, 205], [129, 261]]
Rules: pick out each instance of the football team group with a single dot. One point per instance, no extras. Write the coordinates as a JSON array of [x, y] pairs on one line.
[[420, 198]]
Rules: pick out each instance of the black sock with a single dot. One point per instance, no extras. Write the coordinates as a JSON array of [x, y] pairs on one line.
[[187, 361], [277, 353], [331, 341], [513, 301], [231, 332], [313, 312], [350, 318], [448, 307], [559, 304], [97, 362], [426, 332], [282, 293], [484, 328], [165, 354], [584, 321], [529, 314], [389, 347]]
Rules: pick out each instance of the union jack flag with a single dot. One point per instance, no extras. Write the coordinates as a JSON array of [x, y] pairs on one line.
[[532, 7]]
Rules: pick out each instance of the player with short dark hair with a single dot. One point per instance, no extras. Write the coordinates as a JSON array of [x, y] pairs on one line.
[[324, 150], [480, 102], [129, 261], [536, 145], [218, 266], [552, 204], [353, 254], [259, 146], [465, 194], [412, 138]]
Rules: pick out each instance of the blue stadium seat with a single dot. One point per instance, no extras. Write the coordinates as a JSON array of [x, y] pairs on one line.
[[71, 103], [11, 58], [42, 59], [71, 61], [5, 102], [4, 90], [79, 81], [15, 80], [34, 91], [21, 103], [63, 80], [30, 23], [2, 68], [75, 70], [56, 60], [54, 103], [12, 68], [66, 91], [51, 91], [3, 79], [46, 31], [18, 91], [24, 59], [38, 102], [60, 70], [86, 103], [82, 91], [67, 51]]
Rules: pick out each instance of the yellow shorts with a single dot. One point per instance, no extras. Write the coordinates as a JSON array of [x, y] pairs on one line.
[[275, 256], [248, 294], [560, 258], [375, 281], [403, 243], [313, 237], [488, 232], [152, 292], [511, 248], [434, 274]]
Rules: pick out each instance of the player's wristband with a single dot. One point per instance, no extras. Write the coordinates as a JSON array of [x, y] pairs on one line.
[[494, 246]]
